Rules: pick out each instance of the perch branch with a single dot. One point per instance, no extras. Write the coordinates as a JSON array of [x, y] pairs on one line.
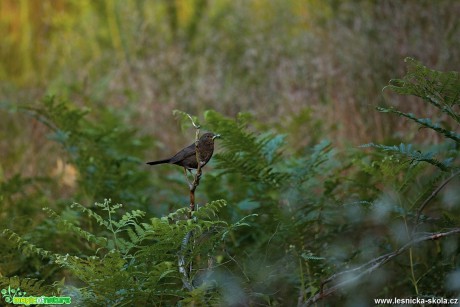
[[184, 268], [196, 179]]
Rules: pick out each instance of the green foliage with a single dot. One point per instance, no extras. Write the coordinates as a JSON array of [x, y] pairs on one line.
[[414, 156], [137, 263], [255, 157], [26, 247], [280, 224], [313, 208], [20, 200], [289, 193], [441, 89], [408, 196], [312, 199], [104, 157], [27, 286], [104, 153]]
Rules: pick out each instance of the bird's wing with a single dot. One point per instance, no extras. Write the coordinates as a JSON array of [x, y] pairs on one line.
[[183, 154]]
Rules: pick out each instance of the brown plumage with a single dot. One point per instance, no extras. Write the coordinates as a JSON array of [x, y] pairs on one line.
[[187, 156]]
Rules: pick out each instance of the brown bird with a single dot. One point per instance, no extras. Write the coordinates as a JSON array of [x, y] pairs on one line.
[[187, 156]]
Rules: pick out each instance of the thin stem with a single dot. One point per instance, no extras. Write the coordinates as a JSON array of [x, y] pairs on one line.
[[184, 268], [196, 126], [411, 260], [435, 192], [113, 231], [196, 180], [414, 281]]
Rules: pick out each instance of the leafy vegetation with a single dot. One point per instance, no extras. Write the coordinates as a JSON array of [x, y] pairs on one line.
[[279, 227], [323, 190]]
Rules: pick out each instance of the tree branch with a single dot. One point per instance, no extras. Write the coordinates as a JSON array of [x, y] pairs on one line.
[[197, 177], [184, 268]]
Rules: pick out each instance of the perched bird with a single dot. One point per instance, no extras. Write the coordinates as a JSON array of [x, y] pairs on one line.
[[187, 156]]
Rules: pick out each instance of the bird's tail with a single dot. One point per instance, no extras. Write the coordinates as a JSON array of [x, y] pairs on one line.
[[159, 162]]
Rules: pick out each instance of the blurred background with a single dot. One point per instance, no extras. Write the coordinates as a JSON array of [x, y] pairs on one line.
[[309, 69]]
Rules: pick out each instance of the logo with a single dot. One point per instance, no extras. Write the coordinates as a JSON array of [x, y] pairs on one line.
[[18, 297]]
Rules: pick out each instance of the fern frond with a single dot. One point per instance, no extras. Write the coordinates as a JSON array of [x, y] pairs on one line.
[[101, 241], [25, 246], [441, 89], [209, 210], [179, 214], [254, 157], [58, 116], [99, 219], [240, 223], [303, 168], [424, 122], [414, 155], [27, 286]]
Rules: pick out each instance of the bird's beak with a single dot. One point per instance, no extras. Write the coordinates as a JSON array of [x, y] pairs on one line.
[[216, 136]]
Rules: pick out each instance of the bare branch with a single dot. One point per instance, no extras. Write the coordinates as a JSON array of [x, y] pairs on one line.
[[193, 123], [185, 268], [196, 179], [433, 195]]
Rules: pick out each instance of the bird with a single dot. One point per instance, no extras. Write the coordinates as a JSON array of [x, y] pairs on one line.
[[187, 156]]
